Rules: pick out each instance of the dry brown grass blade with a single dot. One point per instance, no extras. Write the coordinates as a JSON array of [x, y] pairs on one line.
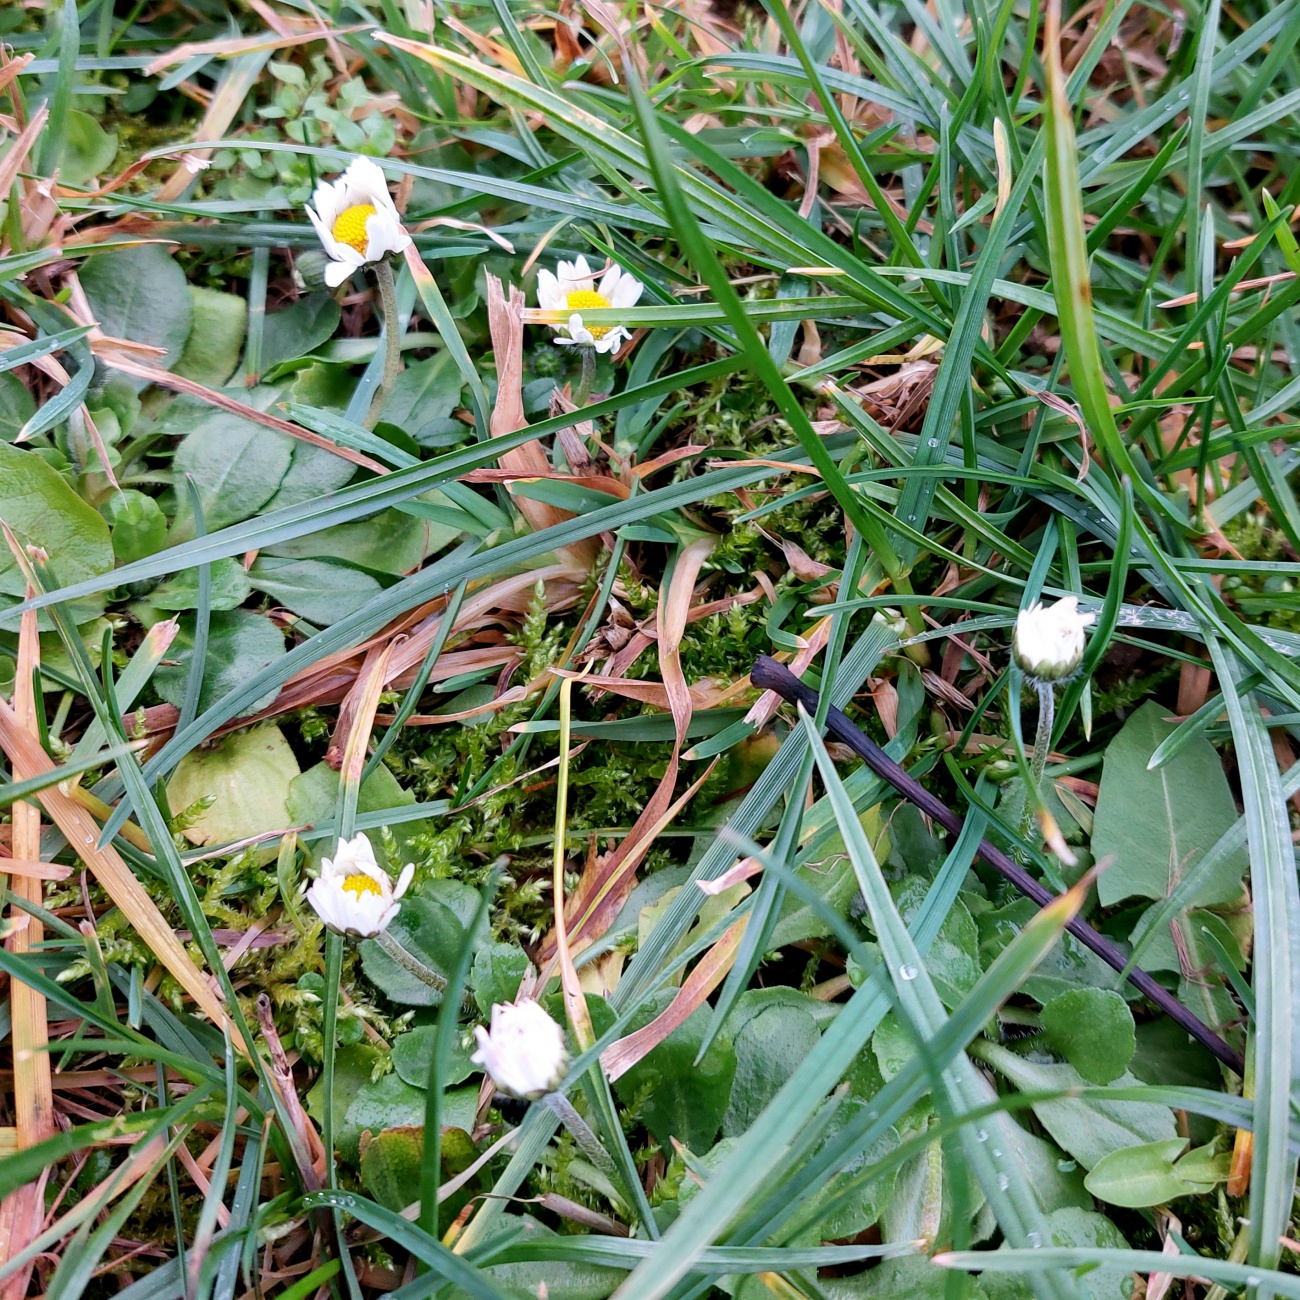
[[606, 883], [12, 163], [81, 831], [357, 717], [177, 384], [33, 1092], [709, 972], [33, 870], [506, 322]]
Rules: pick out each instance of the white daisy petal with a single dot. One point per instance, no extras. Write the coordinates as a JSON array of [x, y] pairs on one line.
[[608, 287], [578, 332], [383, 236], [549, 297], [628, 293], [336, 273]]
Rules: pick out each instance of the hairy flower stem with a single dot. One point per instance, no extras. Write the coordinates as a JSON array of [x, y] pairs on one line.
[[1042, 743], [588, 376], [581, 1133], [411, 964], [392, 343]]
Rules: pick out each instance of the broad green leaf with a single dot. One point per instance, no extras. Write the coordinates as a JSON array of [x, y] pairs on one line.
[[390, 1165], [390, 1102], [426, 392], [912, 1277], [17, 406], [1078, 1226], [1155, 825], [432, 934], [140, 294], [769, 1048], [295, 331], [355, 1067], [240, 644], [678, 1098], [229, 590], [235, 465], [216, 337], [858, 1212], [1087, 1130], [413, 1054], [88, 149], [40, 507], [391, 1161], [313, 472], [495, 974], [1093, 1030], [572, 1280], [316, 590], [389, 542], [953, 959], [247, 775], [139, 526], [1204, 1168]]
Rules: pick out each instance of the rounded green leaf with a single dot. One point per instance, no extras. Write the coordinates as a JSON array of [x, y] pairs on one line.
[[240, 645], [246, 774], [1093, 1029], [216, 337], [140, 293]]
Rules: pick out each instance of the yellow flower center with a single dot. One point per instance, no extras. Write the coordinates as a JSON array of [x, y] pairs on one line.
[[580, 300], [361, 883], [350, 227]]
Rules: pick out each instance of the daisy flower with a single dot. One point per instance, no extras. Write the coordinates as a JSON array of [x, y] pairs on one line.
[[354, 894], [572, 288], [356, 220]]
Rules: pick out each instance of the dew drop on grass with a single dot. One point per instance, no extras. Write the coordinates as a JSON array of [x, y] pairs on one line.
[[982, 1135], [1067, 1166], [1035, 1239], [907, 972], [1004, 1181]]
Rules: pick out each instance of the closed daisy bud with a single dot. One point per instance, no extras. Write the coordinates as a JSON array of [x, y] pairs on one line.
[[1049, 640], [354, 894], [356, 220], [572, 288], [523, 1051]]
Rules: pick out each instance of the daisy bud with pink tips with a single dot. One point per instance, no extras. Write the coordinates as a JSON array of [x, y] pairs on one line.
[[523, 1050]]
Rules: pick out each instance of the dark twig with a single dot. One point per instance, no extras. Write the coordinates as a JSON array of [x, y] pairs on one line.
[[772, 676]]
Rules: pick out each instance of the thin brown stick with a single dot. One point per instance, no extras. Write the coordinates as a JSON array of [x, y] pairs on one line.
[[772, 676]]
